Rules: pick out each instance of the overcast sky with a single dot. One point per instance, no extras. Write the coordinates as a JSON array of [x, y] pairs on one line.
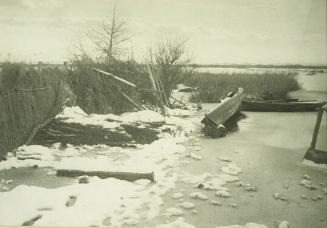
[[218, 31]]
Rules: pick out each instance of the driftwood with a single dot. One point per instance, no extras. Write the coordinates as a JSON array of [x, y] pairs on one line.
[[103, 174]]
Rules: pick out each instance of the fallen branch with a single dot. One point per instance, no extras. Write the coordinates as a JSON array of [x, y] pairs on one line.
[[36, 129], [103, 174], [182, 103], [115, 77], [133, 102]]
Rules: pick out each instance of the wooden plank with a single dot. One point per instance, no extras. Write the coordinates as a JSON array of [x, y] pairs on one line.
[[128, 176], [115, 77], [316, 130]]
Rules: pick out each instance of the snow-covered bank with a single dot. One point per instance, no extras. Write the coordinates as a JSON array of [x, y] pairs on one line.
[[55, 156], [101, 201]]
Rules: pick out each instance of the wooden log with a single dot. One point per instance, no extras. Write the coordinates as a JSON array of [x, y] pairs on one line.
[[128, 176], [28, 158]]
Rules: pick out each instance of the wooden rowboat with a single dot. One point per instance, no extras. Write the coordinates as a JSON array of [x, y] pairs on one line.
[[215, 120], [281, 106]]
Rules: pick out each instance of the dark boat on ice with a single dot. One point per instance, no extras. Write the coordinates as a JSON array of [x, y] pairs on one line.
[[215, 120], [292, 105]]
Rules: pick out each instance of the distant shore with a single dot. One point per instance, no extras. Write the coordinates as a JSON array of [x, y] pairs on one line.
[[231, 65]]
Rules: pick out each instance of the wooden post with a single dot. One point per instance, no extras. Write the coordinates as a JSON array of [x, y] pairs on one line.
[[316, 130]]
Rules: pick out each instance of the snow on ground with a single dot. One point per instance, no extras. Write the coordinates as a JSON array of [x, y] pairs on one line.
[[55, 157], [180, 112], [115, 201], [77, 115], [145, 116]]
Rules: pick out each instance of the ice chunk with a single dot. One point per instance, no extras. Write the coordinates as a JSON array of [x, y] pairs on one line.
[[216, 203], [187, 205], [198, 195], [173, 211], [178, 195], [223, 194]]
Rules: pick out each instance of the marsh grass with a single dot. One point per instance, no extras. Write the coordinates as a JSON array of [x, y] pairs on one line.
[[213, 87], [28, 96]]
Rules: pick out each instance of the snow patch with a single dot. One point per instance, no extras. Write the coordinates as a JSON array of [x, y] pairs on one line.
[[198, 195], [179, 112], [223, 194], [110, 197], [313, 164], [145, 116], [187, 205], [248, 225], [179, 223], [178, 195], [231, 169], [172, 211], [77, 115]]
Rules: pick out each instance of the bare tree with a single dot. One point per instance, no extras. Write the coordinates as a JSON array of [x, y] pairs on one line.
[[170, 63], [109, 37]]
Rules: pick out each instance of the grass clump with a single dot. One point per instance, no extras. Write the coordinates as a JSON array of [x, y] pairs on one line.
[[270, 86]]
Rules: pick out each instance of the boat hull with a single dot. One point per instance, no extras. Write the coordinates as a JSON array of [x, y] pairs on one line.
[[263, 106], [214, 120]]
